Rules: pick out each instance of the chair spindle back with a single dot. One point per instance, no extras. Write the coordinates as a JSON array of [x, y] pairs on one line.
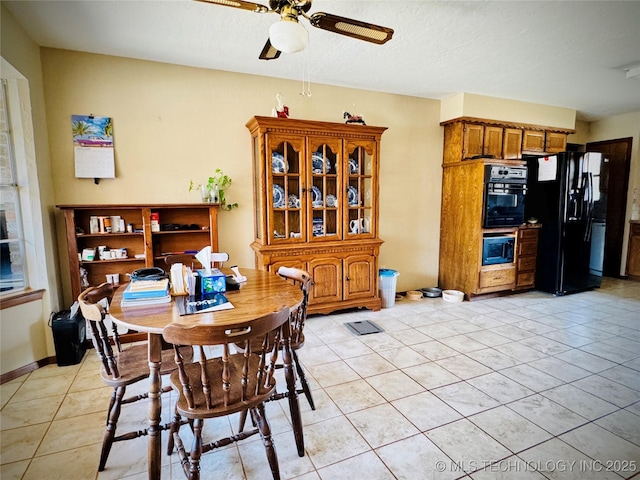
[[227, 381]]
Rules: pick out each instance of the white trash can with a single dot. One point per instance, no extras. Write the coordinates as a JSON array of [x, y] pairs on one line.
[[388, 279]]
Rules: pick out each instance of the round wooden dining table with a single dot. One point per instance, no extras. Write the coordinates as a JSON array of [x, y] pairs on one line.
[[262, 293]]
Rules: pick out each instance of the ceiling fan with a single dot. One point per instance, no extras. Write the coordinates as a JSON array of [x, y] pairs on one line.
[[289, 36]]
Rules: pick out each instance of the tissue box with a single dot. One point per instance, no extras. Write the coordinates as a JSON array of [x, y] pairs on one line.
[[212, 283]]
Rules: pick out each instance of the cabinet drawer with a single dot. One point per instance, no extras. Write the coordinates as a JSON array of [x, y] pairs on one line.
[[526, 263], [527, 248], [529, 233], [526, 279], [494, 278]]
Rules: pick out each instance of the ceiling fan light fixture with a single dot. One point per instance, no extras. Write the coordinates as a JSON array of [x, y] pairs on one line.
[[288, 36]]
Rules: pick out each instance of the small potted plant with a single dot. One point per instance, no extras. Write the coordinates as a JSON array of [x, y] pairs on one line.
[[213, 190]]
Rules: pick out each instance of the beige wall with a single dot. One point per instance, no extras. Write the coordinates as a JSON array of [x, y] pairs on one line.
[[24, 339], [480, 106], [581, 137], [173, 124]]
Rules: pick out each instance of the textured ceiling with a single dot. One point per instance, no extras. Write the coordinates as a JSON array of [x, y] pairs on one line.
[[562, 53]]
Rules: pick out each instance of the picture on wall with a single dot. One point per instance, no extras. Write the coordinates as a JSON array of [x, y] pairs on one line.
[[93, 146]]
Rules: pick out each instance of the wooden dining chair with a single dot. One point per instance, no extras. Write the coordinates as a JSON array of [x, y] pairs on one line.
[[234, 382], [297, 318], [121, 367]]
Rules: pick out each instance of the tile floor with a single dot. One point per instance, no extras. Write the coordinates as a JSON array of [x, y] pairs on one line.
[[528, 386]]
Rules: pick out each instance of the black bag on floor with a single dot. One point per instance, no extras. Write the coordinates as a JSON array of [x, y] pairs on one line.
[[69, 335]]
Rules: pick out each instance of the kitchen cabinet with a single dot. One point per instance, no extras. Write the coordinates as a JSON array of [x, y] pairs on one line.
[[492, 141], [468, 140], [473, 143], [526, 255], [512, 144], [467, 137], [316, 193], [533, 141], [544, 141], [461, 237], [180, 227], [633, 253], [495, 278], [461, 233], [555, 142]]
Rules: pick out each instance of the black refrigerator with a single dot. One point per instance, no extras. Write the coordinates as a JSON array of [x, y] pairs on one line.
[[567, 193]]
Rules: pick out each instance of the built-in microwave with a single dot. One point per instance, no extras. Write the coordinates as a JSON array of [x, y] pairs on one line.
[[498, 249]]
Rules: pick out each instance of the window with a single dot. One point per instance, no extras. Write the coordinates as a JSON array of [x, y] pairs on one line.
[[12, 259]]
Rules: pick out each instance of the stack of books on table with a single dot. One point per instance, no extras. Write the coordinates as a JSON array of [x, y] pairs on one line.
[[146, 292]]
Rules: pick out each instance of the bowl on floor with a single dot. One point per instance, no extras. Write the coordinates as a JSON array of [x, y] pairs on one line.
[[453, 296]]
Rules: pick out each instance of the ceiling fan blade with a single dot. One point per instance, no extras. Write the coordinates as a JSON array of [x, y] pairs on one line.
[[351, 28], [252, 7], [269, 52]]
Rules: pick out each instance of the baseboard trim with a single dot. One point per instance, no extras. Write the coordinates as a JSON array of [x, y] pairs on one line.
[[18, 372]]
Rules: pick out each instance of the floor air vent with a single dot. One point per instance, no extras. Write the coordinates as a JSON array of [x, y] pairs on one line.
[[363, 328]]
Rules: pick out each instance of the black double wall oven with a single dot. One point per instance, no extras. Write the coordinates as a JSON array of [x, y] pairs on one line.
[[504, 193]]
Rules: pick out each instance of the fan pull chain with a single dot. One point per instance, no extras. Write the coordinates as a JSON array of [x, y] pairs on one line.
[[307, 92]]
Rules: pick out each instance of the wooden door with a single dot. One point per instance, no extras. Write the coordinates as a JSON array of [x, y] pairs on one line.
[[472, 140], [286, 221], [619, 154], [512, 143], [493, 141], [324, 190], [533, 141], [327, 280], [556, 142], [360, 201], [360, 277]]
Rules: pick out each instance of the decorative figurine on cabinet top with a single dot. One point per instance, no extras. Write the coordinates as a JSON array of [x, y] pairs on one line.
[[353, 118], [280, 110]]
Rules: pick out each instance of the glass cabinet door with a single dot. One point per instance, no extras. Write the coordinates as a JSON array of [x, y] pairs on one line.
[[360, 168], [324, 192], [284, 189]]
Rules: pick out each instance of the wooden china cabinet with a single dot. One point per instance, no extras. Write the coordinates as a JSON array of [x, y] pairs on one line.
[[316, 203]]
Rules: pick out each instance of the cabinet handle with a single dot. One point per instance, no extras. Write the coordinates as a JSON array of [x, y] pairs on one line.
[[347, 279]]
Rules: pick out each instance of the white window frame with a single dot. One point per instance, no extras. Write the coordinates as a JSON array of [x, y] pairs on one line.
[[21, 126]]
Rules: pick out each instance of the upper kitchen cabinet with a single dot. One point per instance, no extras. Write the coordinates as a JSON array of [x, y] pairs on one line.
[[316, 193], [555, 142], [533, 141], [512, 144], [544, 141], [467, 138]]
